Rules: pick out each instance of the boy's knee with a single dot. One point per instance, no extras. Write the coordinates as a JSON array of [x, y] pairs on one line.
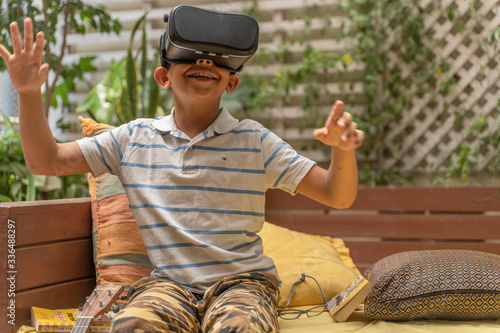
[[241, 320], [247, 323], [133, 325], [141, 325], [150, 319]]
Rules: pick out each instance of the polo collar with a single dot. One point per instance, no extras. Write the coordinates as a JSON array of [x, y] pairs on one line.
[[224, 123]]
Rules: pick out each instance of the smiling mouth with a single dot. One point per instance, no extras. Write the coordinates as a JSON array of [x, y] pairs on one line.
[[202, 76]]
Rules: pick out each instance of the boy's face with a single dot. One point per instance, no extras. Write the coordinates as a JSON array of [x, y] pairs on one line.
[[201, 80]]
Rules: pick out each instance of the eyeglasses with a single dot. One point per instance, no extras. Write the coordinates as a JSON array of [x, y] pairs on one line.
[[289, 313]]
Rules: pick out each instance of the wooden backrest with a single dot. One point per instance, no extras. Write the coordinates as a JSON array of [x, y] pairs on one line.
[[387, 220], [51, 264]]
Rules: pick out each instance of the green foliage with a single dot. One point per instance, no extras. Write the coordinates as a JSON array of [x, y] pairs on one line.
[[128, 90], [18, 184], [12, 167], [494, 37], [399, 65], [482, 138], [54, 18], [57, 18]]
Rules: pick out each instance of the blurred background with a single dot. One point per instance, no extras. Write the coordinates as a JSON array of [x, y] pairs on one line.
[[420, 77]]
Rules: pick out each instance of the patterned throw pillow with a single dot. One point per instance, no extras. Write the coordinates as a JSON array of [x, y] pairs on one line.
[[120, 255], [437, 284]]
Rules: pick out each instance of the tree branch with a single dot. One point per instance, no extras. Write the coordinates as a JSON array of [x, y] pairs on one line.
[[48, 53], [51, 86]]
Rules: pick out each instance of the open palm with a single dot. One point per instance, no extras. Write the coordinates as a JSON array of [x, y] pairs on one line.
[[25, 64]]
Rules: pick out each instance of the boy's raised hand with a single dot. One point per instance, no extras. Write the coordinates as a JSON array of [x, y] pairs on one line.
[[25, 64], [339, 130]]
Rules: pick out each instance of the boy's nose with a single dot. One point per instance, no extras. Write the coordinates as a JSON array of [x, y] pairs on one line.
[[205, 62]]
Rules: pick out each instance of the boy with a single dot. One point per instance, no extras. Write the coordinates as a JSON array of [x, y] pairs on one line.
[[195, 181]]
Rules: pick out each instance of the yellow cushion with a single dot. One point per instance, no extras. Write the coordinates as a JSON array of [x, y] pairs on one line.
[[294, 253]]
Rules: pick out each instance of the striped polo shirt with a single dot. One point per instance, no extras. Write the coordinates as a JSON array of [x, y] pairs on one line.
[[199, 202]]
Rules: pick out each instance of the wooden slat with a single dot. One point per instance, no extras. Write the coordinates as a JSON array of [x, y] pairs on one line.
[[43, 203], [277, 199], [54, 263], [59, 296], [398, 226], [366, 253], [51, 220], [439, 199]]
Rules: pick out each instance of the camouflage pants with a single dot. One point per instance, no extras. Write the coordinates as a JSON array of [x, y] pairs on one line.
[[244, 303]]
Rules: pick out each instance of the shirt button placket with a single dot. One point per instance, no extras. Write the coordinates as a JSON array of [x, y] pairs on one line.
[[185, 158]]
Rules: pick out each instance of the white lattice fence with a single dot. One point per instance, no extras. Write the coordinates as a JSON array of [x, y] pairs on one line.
[[431, 139]]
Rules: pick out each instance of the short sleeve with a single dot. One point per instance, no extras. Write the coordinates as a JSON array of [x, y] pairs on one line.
[[284, 167], [105, 151]]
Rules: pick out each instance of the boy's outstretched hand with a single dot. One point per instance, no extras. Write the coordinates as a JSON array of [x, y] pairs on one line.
[[25, 64], [340, 131]]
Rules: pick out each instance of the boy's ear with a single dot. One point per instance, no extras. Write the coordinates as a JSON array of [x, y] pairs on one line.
[[233, 83], [162, 78]]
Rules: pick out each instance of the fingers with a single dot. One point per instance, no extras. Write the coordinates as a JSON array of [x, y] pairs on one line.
[[17, 46], [40, 43], [351, 134], [335, 114], [359, 138], [354, 137], [345, 123], [43, 71], [4, 53], [320, 133], [348, 126], [28, 35], [342, 121], [340, 130]]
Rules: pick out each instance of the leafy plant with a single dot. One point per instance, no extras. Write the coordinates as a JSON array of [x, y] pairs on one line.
[[17, 183], [128, 90], [12, 166], [387, 37], [57, 18], [482, 138]]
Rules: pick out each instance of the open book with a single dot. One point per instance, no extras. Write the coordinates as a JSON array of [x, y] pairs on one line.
[[63, 320], [342, 305]]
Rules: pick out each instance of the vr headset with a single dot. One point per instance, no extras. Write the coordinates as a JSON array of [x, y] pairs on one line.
[[192, 33]]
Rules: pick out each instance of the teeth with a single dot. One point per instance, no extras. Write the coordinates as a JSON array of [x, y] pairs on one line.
[[202, 75]]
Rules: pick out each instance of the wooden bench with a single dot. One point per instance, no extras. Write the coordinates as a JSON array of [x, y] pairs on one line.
[[52, 265]]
